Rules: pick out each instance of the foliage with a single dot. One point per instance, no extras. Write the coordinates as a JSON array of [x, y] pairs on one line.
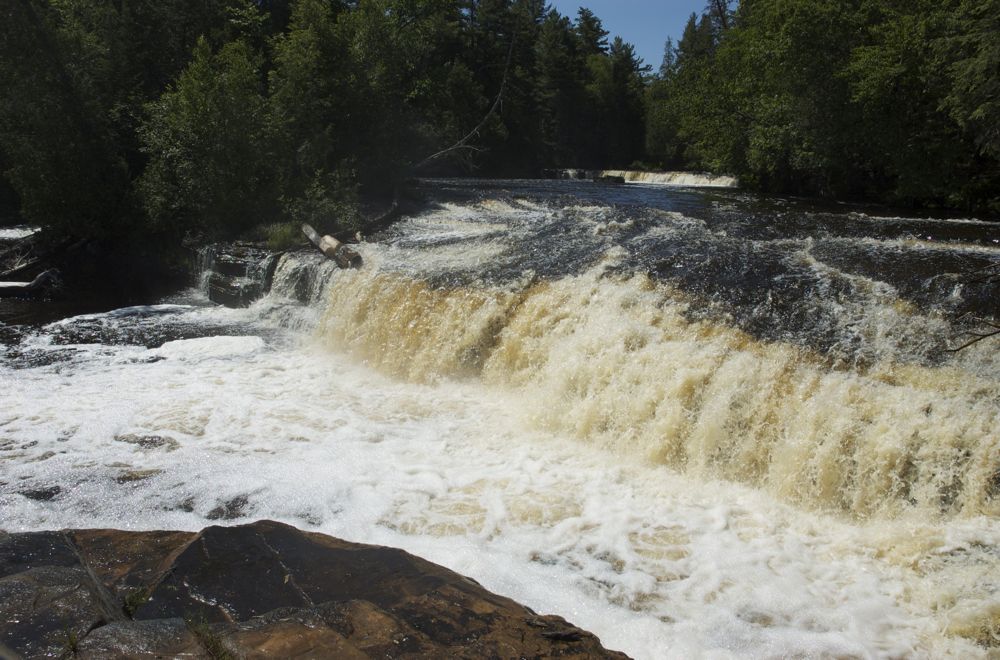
[[901, 106], [76, 75], [57, 143], [208, 142], [329, 203], [590, 95], [171, 116], [281, 236]]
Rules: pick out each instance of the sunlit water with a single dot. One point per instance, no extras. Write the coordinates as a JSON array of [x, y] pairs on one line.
[[15, 233], [695, 423]]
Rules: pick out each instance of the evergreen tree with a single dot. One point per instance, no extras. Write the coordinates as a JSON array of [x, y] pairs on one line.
[[668, 66], [561, 91], [56, 138], [593, 36], [218, 114], [209, 145]]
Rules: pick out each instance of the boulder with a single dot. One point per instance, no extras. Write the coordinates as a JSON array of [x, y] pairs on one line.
[[262, 590], [238, 274]]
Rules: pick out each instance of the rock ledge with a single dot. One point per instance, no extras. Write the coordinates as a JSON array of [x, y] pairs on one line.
[[263, 590]]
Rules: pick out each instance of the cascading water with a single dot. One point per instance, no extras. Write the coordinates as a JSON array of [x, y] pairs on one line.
[[688, 179], [681, 179], [694, 422]]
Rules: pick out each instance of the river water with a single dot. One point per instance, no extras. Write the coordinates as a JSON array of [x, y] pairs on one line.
[[696, 422]]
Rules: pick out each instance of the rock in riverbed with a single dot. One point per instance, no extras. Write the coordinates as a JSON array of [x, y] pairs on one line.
[[238, 273], [255, 591]]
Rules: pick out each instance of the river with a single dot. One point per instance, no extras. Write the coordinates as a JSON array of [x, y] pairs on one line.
[[696, 422]]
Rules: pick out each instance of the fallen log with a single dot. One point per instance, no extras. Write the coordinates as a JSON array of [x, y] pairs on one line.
[[334, 250], [40, 285]]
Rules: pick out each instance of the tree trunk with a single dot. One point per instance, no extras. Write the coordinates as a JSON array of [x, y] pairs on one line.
[[38, 286], [344, 256]]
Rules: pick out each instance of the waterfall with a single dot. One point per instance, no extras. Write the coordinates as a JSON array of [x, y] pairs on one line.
[[614, 362], [698, 423], [686, 179], [682, 179]]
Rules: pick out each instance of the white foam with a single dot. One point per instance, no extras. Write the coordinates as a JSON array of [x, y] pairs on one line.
[[957, 221], [209, 347], [16, 233], [683, 179], [657, 564], [534, 457], [124, 313]]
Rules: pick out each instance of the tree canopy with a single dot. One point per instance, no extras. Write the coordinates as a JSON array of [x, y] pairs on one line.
[[173, 116], [863, 99]]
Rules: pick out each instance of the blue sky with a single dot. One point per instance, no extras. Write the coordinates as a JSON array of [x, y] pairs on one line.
[[645, 23]]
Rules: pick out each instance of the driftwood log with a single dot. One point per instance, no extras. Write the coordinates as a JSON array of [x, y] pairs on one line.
[[334, 250], [42, 284]]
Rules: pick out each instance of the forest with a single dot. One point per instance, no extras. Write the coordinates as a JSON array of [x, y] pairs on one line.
[[122, 118]]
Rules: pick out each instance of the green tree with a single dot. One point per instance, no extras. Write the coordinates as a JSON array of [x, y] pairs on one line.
[[56, 141], [619, 91], [311, 98], [209, 146], [590, 30], [969, 52], [561, 85]]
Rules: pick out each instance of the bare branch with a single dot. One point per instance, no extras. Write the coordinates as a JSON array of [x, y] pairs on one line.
[[721, 9], [989, 274], [977, 336], [464, 142]]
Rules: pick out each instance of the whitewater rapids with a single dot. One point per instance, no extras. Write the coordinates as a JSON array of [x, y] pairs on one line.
[[565, 398]]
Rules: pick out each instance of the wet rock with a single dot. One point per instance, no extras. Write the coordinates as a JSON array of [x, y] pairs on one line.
[[149, 441], [233, 291], [230, 510], [255, 591], [129, 562], [168, 638], [10, 335], [186, 505], [240, 273], [22, 552], [48, 600], [132, 476], [993, 485], [46, 611], [42, 494]]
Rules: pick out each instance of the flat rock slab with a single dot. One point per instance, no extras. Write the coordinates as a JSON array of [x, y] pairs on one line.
[[264, 590]]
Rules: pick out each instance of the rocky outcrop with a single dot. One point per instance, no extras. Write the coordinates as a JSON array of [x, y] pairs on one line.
[[256, 591], [238, 273]]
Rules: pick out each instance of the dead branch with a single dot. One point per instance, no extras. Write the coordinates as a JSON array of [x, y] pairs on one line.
[[987, 274], [721, 10], [463, 144], [977, 337]]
